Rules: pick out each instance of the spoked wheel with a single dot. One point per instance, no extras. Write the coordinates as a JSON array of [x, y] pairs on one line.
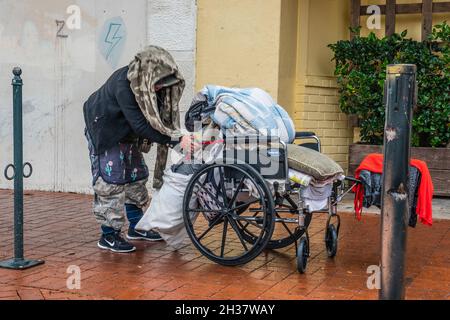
[[302, 254], [285, 234], [214, 215], [331, 240]]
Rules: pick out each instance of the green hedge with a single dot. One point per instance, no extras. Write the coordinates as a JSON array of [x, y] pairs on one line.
[[361, 71]]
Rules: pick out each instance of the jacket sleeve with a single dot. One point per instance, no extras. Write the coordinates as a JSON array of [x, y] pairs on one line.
[[135, 117]]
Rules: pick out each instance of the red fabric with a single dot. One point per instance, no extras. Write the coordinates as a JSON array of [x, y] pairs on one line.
[[374, 163]]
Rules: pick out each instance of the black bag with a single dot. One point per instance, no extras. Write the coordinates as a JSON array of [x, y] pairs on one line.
[[372, 191], [197, 112]]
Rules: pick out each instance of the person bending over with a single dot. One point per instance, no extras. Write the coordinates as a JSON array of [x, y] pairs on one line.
[[117, 132]]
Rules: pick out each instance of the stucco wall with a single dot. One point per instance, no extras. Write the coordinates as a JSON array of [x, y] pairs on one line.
[[60, 73]]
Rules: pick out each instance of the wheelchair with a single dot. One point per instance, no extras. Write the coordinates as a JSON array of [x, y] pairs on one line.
[[235, 208]]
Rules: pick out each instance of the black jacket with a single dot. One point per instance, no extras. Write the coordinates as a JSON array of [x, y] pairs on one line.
[[372, 191], [112, 115]]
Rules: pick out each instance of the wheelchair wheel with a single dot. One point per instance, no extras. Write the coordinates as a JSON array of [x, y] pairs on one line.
[[284, 234], [302, 254], [213, 212], [331, 240]]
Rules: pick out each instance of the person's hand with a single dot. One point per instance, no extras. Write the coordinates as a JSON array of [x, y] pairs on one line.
[[189, 143]]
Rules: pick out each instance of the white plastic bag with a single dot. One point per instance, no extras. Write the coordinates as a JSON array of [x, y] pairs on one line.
[[165, 214], [316, 197]]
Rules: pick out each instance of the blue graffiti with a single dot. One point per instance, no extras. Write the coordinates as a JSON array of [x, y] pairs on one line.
[[112, 39]]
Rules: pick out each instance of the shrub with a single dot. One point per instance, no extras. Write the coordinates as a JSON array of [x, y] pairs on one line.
[[361, 70]]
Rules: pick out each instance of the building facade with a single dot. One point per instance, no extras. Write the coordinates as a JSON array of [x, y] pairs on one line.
[[277, 45], [281, 46]]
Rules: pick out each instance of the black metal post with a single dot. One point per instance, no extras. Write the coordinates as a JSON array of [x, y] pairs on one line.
[[400, 98], [17, 84], [18, 262]]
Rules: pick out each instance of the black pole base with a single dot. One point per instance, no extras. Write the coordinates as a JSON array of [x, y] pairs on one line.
[[20, 264]]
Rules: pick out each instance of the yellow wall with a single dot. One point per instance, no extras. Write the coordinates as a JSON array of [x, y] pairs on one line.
[[316, 108], [249, 43], [322, 22], [238, 43], [288, 54]]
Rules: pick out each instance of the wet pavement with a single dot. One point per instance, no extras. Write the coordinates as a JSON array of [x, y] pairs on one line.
[[60, 229]]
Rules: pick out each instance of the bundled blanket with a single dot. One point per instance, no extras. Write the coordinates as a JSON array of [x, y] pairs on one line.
[[248, 111]]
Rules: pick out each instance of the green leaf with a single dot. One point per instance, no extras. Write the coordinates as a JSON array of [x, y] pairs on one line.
[[361, 71]]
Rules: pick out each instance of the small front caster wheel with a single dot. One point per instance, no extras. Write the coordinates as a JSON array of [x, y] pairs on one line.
[[302, 254], [331, 240]]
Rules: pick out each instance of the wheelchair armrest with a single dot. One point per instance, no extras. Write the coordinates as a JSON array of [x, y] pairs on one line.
[[304, 134]]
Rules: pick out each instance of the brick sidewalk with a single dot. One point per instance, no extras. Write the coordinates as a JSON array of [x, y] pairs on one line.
[[60, 229]]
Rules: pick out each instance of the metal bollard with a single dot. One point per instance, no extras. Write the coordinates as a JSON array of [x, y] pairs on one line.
[[18, 262], [400, 99]]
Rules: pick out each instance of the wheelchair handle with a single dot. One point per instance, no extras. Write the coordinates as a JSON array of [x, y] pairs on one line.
[[357, 181], [304, 134], [309, 135]]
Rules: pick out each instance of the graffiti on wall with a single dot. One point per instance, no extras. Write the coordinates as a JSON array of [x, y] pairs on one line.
[[112, 39]]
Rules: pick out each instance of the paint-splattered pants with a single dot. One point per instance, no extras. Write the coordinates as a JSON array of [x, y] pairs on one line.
[[119, 176], [110, 200]]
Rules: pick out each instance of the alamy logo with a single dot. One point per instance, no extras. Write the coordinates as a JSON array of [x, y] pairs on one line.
[[374, 19], [73, 22], [374, 278], [74, 280]]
